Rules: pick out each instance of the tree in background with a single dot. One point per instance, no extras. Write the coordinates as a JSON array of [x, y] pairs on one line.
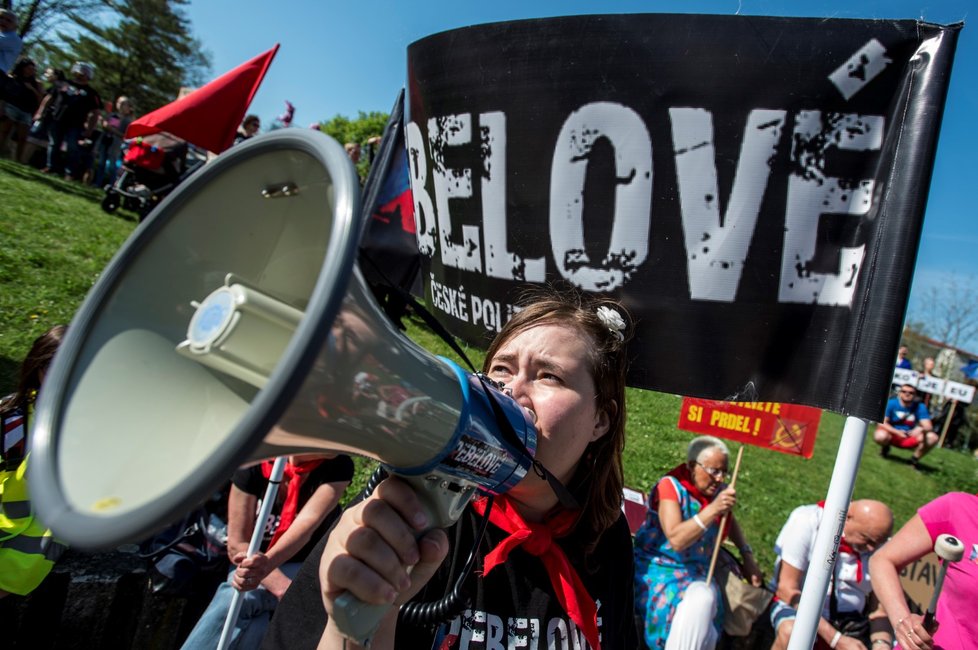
[[40, 19], [359, 130], [143, 50], [947, 312], [941, 318]]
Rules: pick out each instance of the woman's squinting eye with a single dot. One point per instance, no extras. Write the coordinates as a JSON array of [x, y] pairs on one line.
[[496, 370]]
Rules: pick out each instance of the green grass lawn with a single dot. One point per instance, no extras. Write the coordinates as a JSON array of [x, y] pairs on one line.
[[56, 240]]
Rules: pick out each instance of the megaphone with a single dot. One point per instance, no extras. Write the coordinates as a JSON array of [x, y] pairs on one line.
[[234, 326]]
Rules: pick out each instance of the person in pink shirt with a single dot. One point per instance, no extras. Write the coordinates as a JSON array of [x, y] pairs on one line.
[[956, 514]]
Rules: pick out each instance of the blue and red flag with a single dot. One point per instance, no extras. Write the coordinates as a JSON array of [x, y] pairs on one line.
[[389, 248], [395, 204]]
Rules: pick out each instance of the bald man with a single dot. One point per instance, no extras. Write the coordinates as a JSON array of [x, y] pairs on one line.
[[851, 618]]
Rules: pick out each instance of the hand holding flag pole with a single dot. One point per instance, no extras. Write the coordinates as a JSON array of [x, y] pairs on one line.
[[274, 480], [723, 519]]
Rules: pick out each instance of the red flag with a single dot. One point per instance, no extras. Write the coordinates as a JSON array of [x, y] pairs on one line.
[[209, 116], [788, 428]]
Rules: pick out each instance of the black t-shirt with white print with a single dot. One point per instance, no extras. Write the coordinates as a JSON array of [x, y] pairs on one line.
[[513, 607]]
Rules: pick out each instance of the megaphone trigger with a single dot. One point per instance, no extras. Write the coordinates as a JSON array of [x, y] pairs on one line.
[[443, 502]]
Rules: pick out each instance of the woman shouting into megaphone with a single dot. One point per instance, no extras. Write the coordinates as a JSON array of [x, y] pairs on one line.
[[546, 573]]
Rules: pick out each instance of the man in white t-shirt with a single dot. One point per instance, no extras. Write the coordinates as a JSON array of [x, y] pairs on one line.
[[851, 617]]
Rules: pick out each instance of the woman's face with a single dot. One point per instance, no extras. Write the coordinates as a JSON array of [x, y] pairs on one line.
[[710, 472], [546, 369], [28, 72]]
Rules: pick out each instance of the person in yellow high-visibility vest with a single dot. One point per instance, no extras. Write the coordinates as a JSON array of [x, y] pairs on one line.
[[27, 549]]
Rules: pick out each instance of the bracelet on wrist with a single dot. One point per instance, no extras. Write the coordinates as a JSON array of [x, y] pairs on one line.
[[835, 639], [745, 549], [699, 522]]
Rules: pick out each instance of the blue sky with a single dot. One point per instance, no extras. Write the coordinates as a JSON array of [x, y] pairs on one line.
[[344, 57]]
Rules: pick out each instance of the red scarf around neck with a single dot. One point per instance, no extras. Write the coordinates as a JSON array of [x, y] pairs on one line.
[[682, 474], [844, 547], [292, 478], [538, 539]]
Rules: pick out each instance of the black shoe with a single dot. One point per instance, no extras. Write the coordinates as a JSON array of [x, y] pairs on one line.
[[915, 464], [885, 451]]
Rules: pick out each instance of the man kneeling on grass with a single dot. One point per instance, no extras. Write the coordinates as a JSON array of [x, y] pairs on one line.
[[907, 425]]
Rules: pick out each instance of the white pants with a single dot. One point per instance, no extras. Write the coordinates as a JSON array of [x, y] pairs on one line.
[[692, 624]]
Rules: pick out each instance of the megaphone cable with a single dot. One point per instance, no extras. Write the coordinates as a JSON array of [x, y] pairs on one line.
[[455, 601]]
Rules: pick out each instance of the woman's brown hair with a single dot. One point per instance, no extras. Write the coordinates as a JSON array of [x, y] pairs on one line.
[[34, 366], [600, 468]]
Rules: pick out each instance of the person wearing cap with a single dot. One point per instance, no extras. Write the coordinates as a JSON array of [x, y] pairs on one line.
[[78, 110], [10, 42]]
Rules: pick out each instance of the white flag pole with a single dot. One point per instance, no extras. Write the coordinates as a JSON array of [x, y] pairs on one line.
[[278, 469], [829, 532]]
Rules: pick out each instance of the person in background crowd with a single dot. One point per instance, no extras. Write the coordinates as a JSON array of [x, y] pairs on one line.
[[248, 129], [37, 136], [353, 151], [28, 550], [23, 95], [305, 508], [674, 546], [73, 121], [545, 567], [851, 617], [903, 361], [928, 372], [906, 425], [929, 366], [954, 514], [86, 152], [113, 126], [10, 42]]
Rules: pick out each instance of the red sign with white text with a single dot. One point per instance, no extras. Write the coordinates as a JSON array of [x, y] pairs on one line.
[[788, 428]]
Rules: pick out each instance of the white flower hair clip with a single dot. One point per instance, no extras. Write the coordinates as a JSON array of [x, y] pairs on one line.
[[612, 320]]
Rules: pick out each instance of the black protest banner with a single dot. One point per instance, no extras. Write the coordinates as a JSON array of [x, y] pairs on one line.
[[751, 188]]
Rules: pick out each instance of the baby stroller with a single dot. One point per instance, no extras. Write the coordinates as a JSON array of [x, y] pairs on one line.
[[151, 167]]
